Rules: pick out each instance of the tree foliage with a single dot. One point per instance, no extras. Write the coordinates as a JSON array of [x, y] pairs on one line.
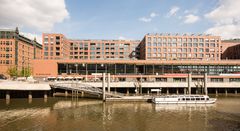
[[12, 71], [25, 72]]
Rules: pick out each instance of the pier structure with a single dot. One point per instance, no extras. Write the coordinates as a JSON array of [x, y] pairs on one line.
[[17, 89]]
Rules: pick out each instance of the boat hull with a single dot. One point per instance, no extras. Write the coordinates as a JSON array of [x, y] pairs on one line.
[[180, 101], [185, 102]]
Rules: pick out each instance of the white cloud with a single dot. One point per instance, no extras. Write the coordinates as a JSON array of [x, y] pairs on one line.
[[173, 11], [34, 14], [32, 36], [148, 19], [153, 14], [189, 19], [122, 38], [226, 18], [191, 11], [145, 19]]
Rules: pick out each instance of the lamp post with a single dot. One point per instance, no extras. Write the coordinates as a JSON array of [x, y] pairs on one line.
[[76, 65]]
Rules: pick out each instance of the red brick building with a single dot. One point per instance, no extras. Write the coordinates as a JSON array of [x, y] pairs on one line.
[[17, 50]]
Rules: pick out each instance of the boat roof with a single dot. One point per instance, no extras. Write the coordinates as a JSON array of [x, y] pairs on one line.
[[174, 96]]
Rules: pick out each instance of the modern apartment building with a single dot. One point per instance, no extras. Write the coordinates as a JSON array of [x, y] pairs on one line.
[[17, 50], [231, 49], [180, 47], [55, 46], [104, 49]]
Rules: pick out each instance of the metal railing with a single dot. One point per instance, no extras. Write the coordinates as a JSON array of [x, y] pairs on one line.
[[83, 88]]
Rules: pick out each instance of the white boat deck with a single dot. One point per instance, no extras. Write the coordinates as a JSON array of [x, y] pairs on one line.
[[183, 99]]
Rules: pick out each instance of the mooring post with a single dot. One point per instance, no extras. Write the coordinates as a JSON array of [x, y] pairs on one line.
[[7, 95], [66, 93], [205, 84], [30, 95], [226, 91], [216, 91], [189, 82], [45, 95], [236, 91], [103, 87], [82, 94], [177, 91], [108, 85]]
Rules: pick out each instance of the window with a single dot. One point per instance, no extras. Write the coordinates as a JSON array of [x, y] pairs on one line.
[[207, 44], [149, 43], [207, 49], [179, 40], [169, 40], [201, 50], [179, 50], [45, 53], [212, 45], [149, 39], [45, 48], [149, 49], [189, 40], [201, 45], [189, 44], [154, 39], [195, 40], [165, 50], [195, 50], [195, 45], [174, 40], [184, 50], [155, 50], [174, 44], [184, 40]]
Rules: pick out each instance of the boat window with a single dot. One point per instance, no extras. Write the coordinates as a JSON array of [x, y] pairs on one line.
[[188, 99], [202, 98], [207, 98], [197, 99], [192, 99], [183, 99]]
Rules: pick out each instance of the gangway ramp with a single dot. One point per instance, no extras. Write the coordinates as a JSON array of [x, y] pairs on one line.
[[81, 87]]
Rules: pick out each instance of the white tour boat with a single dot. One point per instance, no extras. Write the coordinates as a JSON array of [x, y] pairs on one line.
[[183, 99]]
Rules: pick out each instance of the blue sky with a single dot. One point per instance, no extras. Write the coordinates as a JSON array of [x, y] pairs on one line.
[[121, 19], [107, 19]]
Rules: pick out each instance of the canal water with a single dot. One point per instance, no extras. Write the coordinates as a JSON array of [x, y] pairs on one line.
[[63, 114]]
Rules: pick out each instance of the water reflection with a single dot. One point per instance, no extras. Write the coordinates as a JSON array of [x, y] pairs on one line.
[[87, 114]]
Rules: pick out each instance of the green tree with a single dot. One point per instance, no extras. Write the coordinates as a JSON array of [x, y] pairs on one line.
[[12, 71], [25, 72]]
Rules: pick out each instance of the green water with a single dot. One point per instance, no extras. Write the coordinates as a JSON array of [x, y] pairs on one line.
[[59, 114]]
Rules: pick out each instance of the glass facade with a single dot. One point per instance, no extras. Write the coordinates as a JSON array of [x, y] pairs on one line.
[[118, 69]]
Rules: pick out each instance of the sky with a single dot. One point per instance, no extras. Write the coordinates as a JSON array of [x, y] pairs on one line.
[[121, 19]]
